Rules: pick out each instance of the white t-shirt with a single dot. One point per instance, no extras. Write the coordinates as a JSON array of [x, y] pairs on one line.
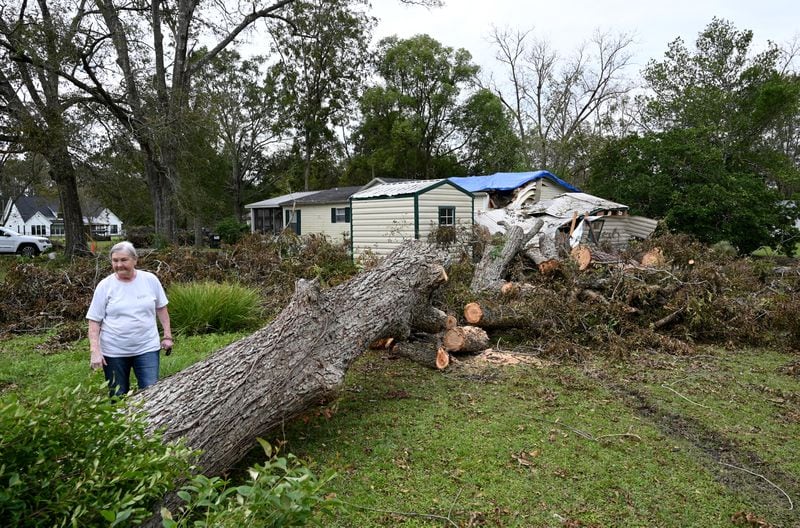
[[126, 312]]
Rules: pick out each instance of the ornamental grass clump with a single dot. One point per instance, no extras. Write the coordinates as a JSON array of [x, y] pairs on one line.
[[73, 459], [208, 307]]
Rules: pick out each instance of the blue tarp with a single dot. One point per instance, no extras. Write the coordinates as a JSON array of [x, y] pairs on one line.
[[506, 181]]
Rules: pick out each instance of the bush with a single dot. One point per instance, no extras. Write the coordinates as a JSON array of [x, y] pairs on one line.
[[231, 230], [207, 307], [75, 459], [140, 236], [281, 492]]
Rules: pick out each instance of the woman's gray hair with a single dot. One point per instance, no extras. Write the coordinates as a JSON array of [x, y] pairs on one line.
[[124, 247]]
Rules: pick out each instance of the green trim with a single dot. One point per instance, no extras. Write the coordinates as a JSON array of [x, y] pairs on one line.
[[416, 216], [419, 192], [443, 208], [472, 219], [352, 221]]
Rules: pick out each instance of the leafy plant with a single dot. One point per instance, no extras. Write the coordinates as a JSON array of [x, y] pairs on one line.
[[203, 307], [280, 492], [73, 459], [231, 230]]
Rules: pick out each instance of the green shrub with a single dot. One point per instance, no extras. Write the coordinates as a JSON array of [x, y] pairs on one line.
[[231, 230], [73, 459], [208, 307], [281, 492]]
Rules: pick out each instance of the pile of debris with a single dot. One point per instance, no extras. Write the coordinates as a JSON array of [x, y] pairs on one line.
[[559, 215]]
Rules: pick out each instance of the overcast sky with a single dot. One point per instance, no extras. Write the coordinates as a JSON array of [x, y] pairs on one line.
[[566, 24]]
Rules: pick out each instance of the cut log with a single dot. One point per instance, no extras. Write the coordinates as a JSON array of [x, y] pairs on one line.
[[384, 343], [465, 339], [425, 350], [653, 258], [548, 267], [492, 316], [491, 270], [517, 289], [431, 320], [250, 387], [582, 256]]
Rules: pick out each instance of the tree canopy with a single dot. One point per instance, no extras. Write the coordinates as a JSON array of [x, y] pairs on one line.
[[707, 161]]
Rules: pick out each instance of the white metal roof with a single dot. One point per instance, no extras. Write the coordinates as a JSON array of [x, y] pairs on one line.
[[395, 189], [563, 205], [279, 200]]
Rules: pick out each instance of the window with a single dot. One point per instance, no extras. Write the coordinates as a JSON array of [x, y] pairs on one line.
[[293, 221], [57, 228], [447, 216], [114, 230], [446, 234], [39, 230], [340, 215]]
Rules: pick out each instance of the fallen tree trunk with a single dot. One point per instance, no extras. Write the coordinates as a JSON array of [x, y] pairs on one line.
[[245, 390], [465, 339], [491, 270]]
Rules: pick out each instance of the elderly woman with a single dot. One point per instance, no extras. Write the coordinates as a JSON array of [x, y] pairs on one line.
[[122, 323]]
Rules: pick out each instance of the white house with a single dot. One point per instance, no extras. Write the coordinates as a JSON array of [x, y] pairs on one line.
[[325, 212], [384, 215], [34, 215], [267, 216]]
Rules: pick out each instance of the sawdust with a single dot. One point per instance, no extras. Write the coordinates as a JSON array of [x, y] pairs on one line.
[[494, 358]]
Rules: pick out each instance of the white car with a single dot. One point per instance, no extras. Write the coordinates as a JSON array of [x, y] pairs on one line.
[[26, 245]]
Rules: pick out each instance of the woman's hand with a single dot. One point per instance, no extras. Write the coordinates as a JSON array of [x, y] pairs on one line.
[[97, 360]]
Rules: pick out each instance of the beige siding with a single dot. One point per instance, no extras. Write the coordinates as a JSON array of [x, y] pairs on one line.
[[379, 225], [316, 219], [447, 196], [546, 190]]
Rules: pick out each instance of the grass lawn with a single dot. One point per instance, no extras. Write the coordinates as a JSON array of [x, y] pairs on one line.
[[656, 441]]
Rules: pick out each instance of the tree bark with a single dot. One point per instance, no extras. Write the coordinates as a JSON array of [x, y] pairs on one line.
[[465, 339], [425, 349], [488, 315], [432, 320], [245, 390], [492, 268]]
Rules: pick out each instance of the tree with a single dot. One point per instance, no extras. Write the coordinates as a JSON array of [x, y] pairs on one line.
[[241, 102], [559, 105], [321, 67], [410, 125], [706, 161], [36, 112], [488, 143]]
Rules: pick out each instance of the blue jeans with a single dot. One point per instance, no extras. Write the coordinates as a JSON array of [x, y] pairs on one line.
[[118, 372]]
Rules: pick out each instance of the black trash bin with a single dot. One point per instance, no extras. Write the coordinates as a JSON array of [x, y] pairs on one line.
[[213, 241]]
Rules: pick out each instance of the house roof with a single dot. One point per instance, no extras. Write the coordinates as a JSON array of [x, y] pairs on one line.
[[404, 188], [336, 195], [30, 205], [507, 181], [277, 201], [563, 205]]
